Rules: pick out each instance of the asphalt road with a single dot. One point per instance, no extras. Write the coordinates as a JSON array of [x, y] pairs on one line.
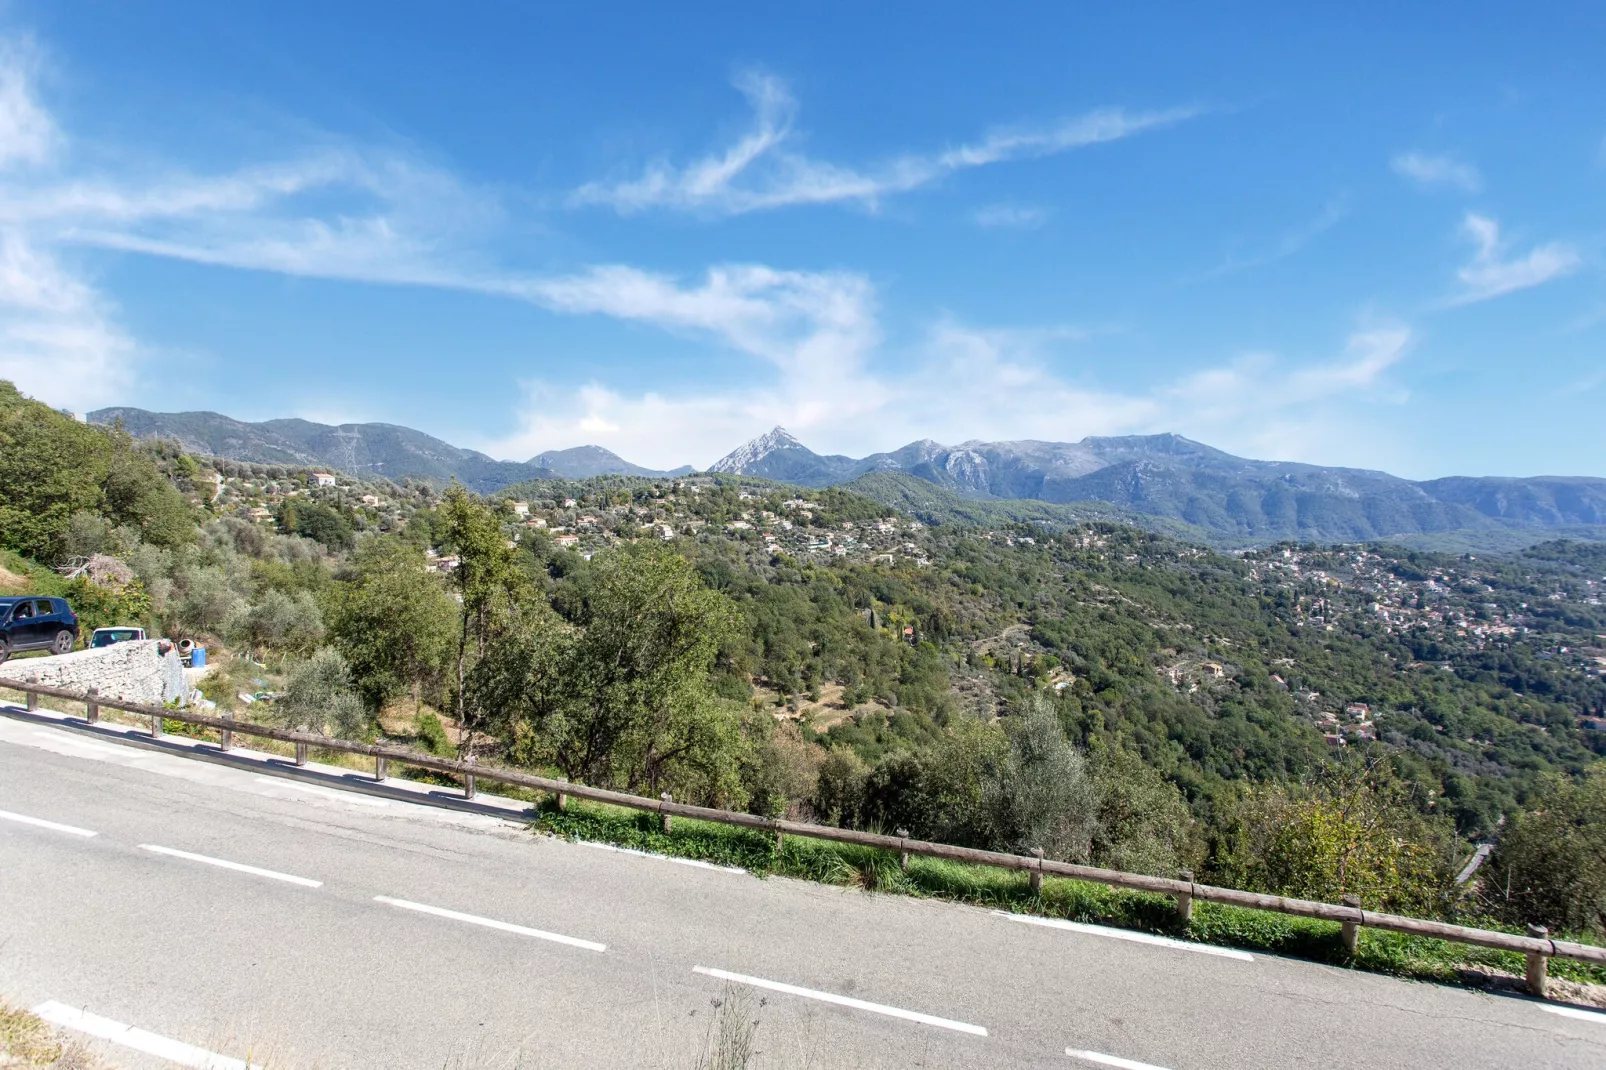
[[370, 931]]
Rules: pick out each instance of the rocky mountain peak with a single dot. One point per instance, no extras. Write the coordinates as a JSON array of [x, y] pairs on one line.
[[745, 456]]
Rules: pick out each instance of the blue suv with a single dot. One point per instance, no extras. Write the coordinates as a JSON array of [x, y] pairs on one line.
[[31, 623]]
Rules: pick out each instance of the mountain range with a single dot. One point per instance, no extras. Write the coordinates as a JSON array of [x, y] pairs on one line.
[[1169, 477], [372, 449], [1165, 481]]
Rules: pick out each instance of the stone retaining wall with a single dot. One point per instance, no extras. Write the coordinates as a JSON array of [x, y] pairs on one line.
[[132, 671]]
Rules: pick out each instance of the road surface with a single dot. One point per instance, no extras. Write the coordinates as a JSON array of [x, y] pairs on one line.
[[251, 910]]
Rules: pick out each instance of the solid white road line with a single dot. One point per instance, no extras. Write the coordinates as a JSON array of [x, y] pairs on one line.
[[1575, 1012], [1110, 1060], [175, 1051], [24, 819], [64, 737], [842, 1001], [238, 867], [1127, 934], [492, 923], [695, 862], [343, 796]]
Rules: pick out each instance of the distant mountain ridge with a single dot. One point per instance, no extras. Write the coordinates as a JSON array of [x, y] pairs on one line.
[[1171, 477], [1163, 481], [369, 448]]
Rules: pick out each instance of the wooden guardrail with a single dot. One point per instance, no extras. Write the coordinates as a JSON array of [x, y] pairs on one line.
[[1536, 946]]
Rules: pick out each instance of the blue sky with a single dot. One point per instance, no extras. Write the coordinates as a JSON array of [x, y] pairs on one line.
[[1371, 240]]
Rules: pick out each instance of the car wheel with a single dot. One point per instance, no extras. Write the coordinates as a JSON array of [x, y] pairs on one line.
[[5, 651], [63, 643]]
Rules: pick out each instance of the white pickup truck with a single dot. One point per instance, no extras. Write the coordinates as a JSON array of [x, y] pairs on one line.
[[107, 636]]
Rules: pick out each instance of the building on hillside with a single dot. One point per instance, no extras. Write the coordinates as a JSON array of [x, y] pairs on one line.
[[321, 479], [567, 540], [535, 522], [370, 499], [260, 513], [521, 509]]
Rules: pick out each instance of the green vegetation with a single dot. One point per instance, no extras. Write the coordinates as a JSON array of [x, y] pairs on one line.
[[52, 467], [1304, 720], [1073, 900]]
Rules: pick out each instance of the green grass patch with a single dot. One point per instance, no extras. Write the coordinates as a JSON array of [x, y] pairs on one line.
[[873, 870]]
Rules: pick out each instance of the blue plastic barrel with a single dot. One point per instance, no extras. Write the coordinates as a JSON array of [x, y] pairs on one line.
[[198, 658]]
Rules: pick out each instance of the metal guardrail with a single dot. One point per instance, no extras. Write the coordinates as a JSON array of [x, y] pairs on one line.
[[1537, 946]]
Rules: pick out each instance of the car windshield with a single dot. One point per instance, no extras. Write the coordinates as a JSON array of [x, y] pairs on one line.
[[108, 636]]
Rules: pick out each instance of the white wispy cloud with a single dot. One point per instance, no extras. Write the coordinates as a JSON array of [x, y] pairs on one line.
[[28, 134], [331, 211], [1428, 170], [1010, 216], [820, 365], [59, 338], [760, 171], [1289, 243], [822, 372], [1490, 273]]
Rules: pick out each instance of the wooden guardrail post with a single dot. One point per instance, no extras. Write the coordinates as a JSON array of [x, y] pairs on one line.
[[1037, 871], [1185, 899], [1538, 963], [33, 699], [1350, 931], [903, 854], [468, 780], [91, 707], [563, 797], [156, 726], [301, 753], [379, 767], [664, 814], [226, 740]]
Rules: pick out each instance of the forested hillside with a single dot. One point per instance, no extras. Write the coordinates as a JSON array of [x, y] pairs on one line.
[[1298, 719]]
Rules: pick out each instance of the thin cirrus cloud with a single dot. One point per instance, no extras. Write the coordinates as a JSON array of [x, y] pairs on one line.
[[1288, 244], [1010, 216], [1430, 170], [761, 171], [1492, 273]]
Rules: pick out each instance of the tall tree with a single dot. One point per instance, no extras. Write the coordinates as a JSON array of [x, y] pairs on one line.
[[620, 693], [487, 581], [393, 621]]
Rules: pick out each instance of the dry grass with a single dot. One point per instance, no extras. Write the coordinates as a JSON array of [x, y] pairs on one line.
[[820, 715], [27, 1041], [11, 583]]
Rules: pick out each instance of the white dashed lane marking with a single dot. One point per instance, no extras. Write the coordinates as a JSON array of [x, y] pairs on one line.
[[39, 822], [842, 1001], [238, 867], [492, 923]]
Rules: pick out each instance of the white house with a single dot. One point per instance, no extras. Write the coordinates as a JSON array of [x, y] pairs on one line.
[[321, 479]]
